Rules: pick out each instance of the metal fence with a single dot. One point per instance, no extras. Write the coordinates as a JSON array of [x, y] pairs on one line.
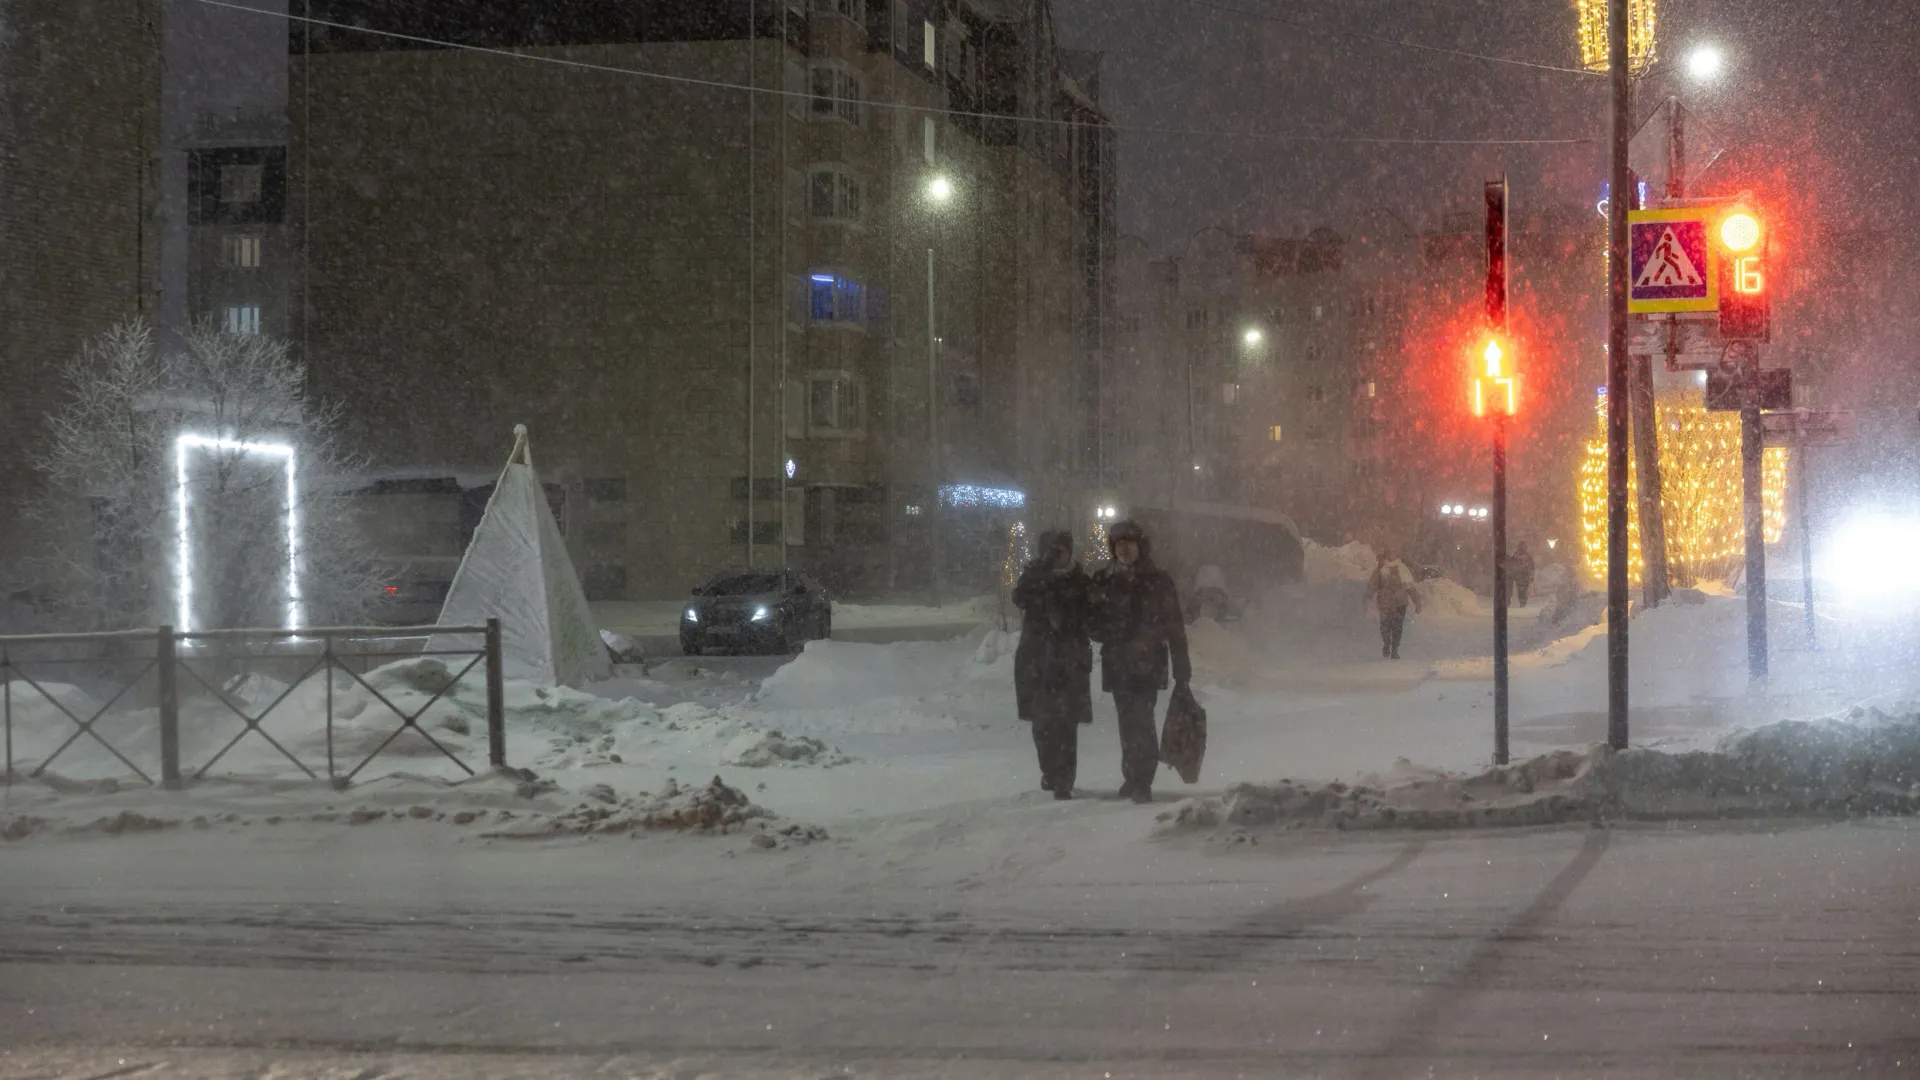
[[154, 667]]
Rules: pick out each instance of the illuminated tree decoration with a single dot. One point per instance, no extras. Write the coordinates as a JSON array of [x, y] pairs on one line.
[[1700, 492], [1018, 554], [1097, 542], [1641, 17]]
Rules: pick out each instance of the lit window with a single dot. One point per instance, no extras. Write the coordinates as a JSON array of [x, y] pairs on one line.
[[242, 319], [835, 299], [1273, 433], [928, 45], [240, 252], [833, 403], [926, 139], [834, 196], [837, 93], [241, 183]]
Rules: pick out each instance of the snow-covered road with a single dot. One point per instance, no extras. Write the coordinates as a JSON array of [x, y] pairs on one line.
[[1068, 949]]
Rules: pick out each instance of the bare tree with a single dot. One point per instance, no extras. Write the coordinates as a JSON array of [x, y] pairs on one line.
[[204, 471]]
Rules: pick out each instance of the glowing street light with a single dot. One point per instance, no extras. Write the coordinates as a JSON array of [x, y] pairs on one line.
[[1705, 62], [940, 189], [1253, 336]]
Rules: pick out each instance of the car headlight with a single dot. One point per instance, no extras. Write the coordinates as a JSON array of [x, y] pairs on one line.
[[690, 615], [761, 614]]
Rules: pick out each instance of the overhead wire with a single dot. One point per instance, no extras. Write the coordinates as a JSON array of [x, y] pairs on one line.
[[1313, 27], [719, 84]]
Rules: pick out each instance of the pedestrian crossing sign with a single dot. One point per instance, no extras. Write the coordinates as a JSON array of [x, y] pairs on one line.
[[1672, 265]]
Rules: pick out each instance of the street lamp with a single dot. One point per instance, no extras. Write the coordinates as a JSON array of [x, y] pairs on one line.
[[1253, 336], [939, 194], [1704, 63]]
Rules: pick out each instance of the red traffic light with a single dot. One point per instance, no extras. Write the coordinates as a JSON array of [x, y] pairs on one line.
[[1745, 303]]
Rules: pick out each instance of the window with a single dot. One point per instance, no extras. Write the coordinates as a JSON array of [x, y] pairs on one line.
[[852, 9], [929, 42], [242, 319], [832, 195], [833, 404], [1273, 433], [1196, 318], [1318, 311], [606, 534], [240, 252], [836, 299], [966, 391], [1229, 393], [607, 489], [1316, 393], [795, 86], [836, 92], [241, 183], [926, 139]]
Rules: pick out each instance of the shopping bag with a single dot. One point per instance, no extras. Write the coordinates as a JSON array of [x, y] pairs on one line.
[[1183, 738]]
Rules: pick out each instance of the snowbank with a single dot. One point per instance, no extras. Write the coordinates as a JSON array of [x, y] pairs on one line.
[[1866, 761], [1441, 596], [1353, 561], [839, 688]]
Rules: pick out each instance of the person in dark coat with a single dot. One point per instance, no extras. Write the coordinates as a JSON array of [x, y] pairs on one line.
[[1520, 572], [1136, 618], [1053, 664]]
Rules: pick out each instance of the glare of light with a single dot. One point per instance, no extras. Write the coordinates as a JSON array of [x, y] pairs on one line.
[[1493, 356], [913, 509], [824, 279], [1868, 555], [1551, 544], [691, 615], [792, 468], [761, 614], [1739, 231], [182, 500], [1253, 336], [1705, 62], [940, 189]]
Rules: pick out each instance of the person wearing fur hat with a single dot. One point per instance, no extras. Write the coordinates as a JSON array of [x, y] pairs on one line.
[[1136, 617]]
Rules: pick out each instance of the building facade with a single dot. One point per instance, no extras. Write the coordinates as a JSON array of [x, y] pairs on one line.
[[726, 260]]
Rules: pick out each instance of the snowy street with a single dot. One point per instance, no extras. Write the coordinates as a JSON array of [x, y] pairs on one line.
[[1049, 944]]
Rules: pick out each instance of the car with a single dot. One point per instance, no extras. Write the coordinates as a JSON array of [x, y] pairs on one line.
[[755, 610], [410, 593]]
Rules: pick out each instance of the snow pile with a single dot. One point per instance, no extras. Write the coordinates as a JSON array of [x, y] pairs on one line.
[[759, 750], [1864, 762], [1442, 596], [840, 688], [712, 809], [1352, 561]]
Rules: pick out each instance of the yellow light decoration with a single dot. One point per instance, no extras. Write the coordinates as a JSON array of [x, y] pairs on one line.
[[1641, 18], [1018, 554], [1097, 542], [1700, 494]]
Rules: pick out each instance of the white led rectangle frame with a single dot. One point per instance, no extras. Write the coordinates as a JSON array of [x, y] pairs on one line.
[[183, 570]]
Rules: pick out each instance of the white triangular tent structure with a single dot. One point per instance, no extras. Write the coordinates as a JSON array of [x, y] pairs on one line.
[[516, 569]]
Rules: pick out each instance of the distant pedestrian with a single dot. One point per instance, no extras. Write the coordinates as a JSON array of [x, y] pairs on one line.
[[1053, 664], [1391, 589], [1136, 618], [1520, 572]]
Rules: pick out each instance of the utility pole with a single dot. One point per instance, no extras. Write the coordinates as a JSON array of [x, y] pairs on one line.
[[1496, 197], [1619, 199], [1752, 446], [936, 543]]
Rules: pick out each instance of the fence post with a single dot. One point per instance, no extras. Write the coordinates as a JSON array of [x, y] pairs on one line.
[[6, 689], [496, 699], [165, 659]]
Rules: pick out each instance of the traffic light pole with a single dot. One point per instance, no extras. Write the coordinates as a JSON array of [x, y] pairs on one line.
[[1496, 198], [1806, 533], [1752, 447], [1619, 199]]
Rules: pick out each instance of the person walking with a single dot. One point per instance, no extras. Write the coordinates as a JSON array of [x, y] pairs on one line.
[[1520, 572], [1137, 620], [1053, 664], [1391, 589]]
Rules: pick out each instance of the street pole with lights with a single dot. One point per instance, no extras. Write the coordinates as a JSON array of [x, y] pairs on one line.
[[939, 193], [1619, 200], [1494, 396], [1744, 320]]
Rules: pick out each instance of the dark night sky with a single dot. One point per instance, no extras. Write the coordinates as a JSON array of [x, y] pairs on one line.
[[1826, 96]]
